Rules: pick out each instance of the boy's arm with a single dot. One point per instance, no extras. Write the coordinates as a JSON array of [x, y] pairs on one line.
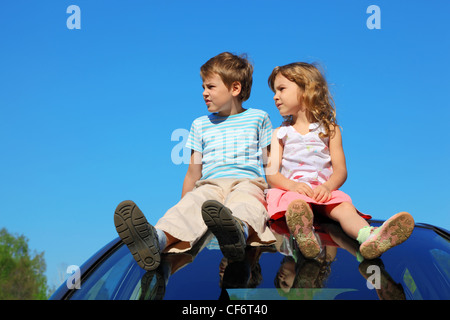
[[194, 172]]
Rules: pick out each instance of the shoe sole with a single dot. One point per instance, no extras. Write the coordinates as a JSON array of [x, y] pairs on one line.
[[393, 232], [153, 286], [300, 216], [222, 224], [139, 236]]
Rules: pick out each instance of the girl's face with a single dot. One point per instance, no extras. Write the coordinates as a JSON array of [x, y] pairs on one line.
[[286, 275], [288, 96]]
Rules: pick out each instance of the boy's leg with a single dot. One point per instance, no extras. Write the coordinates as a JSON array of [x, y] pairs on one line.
[[183, 222], [139, 236], [247, 202], [228, 230]]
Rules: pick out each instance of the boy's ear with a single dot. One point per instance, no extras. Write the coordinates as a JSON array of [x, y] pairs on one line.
[[236, 88]]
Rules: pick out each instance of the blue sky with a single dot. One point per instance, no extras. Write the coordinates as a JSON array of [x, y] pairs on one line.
[[87, 114]]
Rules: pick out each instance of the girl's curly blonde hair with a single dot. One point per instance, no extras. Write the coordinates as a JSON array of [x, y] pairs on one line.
[[317, 97]]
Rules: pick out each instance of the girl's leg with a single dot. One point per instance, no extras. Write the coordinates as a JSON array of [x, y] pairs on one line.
[[374, 241], [299, 219], [391, 233], [347, 216]]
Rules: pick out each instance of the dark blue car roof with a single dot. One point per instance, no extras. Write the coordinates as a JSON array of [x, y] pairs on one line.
[[417, 269]]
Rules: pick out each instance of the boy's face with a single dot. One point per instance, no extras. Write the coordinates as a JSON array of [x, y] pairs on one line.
[[217, 96]]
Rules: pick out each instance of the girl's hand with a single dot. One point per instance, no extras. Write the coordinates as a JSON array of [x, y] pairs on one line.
[[301, 188], [321, 194]]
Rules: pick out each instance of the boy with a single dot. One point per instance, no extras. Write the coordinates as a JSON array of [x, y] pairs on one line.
[[223, 190]]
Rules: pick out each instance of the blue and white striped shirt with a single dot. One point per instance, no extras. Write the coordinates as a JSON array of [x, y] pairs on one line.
[[231, 147]]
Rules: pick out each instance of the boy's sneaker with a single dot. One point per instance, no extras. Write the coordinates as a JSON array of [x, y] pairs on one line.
[[226, 228], [153, 286], [299, 219], [391, 233], [139, 236], [236, 275]]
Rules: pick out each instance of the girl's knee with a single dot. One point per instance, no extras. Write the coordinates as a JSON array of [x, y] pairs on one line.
[[342, 210], [346, 206]]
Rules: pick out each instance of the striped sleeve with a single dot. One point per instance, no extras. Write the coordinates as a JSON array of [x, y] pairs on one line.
[[194, 141]]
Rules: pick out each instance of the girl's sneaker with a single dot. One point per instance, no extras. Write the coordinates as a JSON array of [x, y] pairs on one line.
[[299, 219], [228, 229], [385, 286], [139, 236], [391, 233]]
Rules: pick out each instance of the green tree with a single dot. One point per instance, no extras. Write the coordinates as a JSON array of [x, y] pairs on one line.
[[21, 275]]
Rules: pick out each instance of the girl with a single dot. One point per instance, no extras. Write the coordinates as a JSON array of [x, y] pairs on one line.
[[308, 167]]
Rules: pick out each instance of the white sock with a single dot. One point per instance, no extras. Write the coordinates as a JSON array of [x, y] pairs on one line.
[[245, 227], [162, 239]]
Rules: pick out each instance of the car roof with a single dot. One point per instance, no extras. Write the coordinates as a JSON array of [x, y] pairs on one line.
[[417, 269]]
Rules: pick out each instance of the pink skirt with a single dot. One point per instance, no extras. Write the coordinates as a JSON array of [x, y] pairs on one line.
[[278, 201]]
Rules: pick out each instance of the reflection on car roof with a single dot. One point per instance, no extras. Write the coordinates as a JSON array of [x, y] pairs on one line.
[[416, 269]]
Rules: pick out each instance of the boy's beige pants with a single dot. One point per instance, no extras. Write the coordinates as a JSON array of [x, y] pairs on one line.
[[244, 197]]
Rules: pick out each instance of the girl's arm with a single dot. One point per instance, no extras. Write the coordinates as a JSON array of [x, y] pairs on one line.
[[194, 172], [339, 175], [273, 175], [265, 156], [323, 193]]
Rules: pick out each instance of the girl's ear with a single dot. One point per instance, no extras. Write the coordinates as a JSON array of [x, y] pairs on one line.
[[301, 95], [236, 88]]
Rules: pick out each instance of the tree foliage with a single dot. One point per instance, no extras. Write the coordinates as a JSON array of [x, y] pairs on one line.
[[21, 274]]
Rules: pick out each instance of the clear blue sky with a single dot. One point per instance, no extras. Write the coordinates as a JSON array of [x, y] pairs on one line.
[[87, 115]]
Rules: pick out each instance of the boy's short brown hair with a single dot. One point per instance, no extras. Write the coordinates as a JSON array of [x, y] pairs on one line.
[[231, 68]]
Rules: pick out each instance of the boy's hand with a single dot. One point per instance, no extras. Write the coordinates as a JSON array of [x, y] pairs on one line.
[[301, 188], [321, 194]]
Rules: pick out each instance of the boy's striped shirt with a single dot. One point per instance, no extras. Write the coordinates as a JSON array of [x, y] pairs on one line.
[[231, 147]]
